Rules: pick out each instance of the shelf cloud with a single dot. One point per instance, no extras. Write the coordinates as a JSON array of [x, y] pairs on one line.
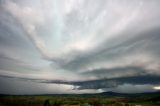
[[79, 46]]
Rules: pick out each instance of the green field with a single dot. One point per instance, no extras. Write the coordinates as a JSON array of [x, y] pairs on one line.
[[79, 100]]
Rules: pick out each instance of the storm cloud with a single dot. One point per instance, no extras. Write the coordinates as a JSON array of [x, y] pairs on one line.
[[79, 46]]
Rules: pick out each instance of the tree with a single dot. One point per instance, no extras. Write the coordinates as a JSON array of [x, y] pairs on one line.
[[46, 103], [118, 104], [126, 104]]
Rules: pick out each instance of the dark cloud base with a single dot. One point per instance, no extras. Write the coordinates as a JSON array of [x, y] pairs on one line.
[[109, 83]]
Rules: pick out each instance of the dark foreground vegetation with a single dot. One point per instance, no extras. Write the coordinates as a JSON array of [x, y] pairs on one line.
[[104, 99]]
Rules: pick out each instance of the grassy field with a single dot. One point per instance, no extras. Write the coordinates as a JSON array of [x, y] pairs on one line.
[[79, 100]]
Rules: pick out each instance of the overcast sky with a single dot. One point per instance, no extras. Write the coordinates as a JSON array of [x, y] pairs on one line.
[[79, 46]]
